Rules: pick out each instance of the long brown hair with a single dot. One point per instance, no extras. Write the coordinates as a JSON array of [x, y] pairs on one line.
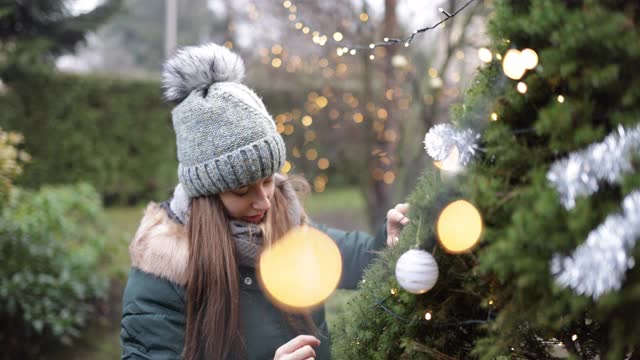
[[213, 294]]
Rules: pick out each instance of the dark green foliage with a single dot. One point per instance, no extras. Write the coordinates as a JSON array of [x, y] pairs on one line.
[[51, 246], [113, 133], [589, 51], [33, 30]]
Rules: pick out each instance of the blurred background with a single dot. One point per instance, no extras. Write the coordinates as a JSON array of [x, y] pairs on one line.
[[86, 140]]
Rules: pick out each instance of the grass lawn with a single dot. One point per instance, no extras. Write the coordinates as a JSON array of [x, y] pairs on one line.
[[341, 208]]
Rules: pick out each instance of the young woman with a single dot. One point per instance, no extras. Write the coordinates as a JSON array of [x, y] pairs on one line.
[[192, 291]]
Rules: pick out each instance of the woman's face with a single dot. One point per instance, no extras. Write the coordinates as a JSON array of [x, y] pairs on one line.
[[249, 203]]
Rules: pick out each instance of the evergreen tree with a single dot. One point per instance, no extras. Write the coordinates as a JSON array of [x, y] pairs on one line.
[[502, 300], [35, 31]]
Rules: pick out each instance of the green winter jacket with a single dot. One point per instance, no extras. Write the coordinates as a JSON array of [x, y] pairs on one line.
[[153, 317]]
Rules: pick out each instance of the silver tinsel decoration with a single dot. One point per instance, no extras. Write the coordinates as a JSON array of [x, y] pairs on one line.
[[581, 172], [598, 266], [442, 138]]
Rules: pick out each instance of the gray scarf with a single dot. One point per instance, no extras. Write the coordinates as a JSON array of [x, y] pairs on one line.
[[247, 236]]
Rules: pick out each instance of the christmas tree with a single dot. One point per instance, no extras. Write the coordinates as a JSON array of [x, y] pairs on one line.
[[545, 148]]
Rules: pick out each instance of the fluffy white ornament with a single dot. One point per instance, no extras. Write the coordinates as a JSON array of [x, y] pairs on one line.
[[417, 271]]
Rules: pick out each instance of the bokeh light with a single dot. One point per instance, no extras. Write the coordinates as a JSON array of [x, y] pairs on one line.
[[485, 55], [459, 227], [529, 58], [512, 65], [451, 162], [300, 270]]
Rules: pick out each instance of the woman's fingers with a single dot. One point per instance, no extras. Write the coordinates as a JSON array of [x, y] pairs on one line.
[[396, 219], [296, 344], [303, 353]]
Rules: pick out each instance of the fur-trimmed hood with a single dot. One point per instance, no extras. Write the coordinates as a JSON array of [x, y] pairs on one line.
[[160, 246]]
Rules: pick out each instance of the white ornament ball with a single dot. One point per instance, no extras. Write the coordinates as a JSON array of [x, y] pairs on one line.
[[417, 271]]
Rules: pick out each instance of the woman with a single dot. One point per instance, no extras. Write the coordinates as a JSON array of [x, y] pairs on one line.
[[192, 291]]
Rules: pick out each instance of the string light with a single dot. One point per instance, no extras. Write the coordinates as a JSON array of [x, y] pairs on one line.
[[371, 57], [529, 58], [560, 99], [392, 41], [337, 36], [512, 65], [485, 55], [494, 117], [522, 87], [427, 316]]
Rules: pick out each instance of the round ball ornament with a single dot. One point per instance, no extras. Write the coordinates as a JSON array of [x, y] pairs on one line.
[[417, 271]]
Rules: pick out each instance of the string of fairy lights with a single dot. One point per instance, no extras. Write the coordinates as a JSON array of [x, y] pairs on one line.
[[281, 58]]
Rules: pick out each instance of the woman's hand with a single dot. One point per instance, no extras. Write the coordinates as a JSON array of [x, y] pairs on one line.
[[299, 348], [396, 220]]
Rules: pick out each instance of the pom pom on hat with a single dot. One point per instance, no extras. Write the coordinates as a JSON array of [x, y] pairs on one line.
[[198, 67]]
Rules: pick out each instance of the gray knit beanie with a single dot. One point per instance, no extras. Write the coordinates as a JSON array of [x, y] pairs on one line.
[[225, 136]]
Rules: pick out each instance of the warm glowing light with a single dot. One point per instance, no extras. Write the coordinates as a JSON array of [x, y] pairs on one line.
[[307, 120], [280, 128], [498, 56], [276, 49], [371, 57], [286, 167], [432, 72], [311, 154], [560, 99], [289, 129], [358, 118], [406, 44], [321, 101], [521, 87], [305, 29], [512, 65], [394, 291], [574, 337], [299, 25], [485, 55], [490, 302], [292, 17], [529, 58], [300, 270], [427, 316], [323, 164], [352, 51], [382, 113], [364, 17], [459, 227], [388, 177], [451, 162], [276, 63], [337, 36], [286, 4], [494, 117]]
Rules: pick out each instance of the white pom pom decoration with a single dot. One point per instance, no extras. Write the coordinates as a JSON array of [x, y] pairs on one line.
[[417, 271], [198, 67]]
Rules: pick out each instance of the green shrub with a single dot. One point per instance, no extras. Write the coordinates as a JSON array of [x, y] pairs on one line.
[[113, 133], [51, 244]]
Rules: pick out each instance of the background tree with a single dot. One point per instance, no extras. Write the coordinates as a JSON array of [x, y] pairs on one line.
[[35, 31]]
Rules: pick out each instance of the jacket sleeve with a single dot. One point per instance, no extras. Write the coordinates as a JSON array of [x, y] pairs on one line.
[[153, 320], [358, 249]]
